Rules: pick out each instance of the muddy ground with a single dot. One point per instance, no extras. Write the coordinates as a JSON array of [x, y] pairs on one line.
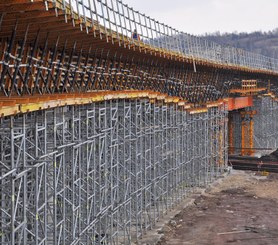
[[241, 209]]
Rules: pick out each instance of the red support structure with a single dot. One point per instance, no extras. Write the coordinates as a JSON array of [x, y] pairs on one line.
[[239, 103]]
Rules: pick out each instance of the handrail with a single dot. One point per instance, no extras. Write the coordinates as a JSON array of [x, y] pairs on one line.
[[114, 16]]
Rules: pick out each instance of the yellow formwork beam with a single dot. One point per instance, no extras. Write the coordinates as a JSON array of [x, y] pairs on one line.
[[18, 105]]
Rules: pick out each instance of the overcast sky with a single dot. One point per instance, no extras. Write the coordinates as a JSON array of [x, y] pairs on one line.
[[201, 16]]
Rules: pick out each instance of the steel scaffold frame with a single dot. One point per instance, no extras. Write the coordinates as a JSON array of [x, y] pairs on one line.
[[265, 122], [259, 125], [104, 172]]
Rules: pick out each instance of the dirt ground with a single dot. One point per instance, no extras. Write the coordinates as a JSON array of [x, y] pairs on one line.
[[241, 209]]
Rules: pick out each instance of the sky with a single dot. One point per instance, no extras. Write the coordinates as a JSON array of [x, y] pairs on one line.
[[207, 16]]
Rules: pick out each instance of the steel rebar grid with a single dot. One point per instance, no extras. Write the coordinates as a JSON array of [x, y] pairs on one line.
[[104, 172]]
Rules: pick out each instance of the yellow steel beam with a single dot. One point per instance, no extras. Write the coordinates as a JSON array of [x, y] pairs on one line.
[[18, 105]]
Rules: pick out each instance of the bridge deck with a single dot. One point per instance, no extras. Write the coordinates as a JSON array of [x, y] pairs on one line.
[[49, 47], [52, 18]]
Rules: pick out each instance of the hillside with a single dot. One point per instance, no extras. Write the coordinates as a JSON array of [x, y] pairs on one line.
[[265, 43]]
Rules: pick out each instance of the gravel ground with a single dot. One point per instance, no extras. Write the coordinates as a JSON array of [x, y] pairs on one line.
[[241, 209]]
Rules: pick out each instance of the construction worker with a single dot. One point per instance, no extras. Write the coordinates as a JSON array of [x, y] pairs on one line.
[[135, 35], [260, 164]]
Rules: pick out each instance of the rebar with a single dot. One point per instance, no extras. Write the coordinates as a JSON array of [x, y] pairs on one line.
[[42, 61], [115, 18]]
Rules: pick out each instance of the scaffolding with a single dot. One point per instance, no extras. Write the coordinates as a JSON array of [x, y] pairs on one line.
[[96, 136], [265, 122], [103, 173], [253, 130]]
